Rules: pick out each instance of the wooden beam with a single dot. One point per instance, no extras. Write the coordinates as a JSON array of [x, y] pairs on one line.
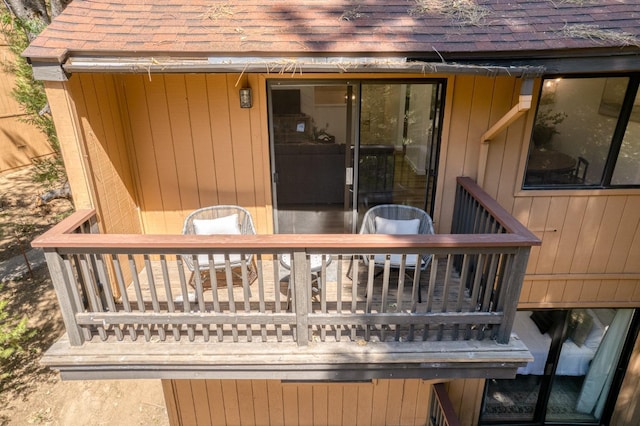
[[71, 142], [523, 105]]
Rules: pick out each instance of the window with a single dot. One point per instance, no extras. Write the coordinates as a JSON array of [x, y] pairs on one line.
[[586, 134], [578, 355]]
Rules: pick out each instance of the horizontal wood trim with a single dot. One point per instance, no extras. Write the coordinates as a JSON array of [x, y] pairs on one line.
[[108, 318], [582, 277], [13, 115], [340, 360], [445, 318]]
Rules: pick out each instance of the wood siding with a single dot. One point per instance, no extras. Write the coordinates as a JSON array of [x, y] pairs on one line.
[[20, 142], [272, 402], [193, 146]]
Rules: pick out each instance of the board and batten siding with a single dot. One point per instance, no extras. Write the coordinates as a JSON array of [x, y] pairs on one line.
[[272, 402], [590, 252], [193, 146]]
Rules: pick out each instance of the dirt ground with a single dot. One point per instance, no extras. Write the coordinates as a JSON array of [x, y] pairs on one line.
[[33, 394]]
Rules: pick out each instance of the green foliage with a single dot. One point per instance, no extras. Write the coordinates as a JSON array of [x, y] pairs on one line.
[[13, 333], [49, 171], [31, 95]]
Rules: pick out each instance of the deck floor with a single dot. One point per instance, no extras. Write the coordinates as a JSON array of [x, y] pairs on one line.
[[270, 288]]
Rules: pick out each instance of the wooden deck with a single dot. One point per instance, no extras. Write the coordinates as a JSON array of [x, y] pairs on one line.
[[128, 301]]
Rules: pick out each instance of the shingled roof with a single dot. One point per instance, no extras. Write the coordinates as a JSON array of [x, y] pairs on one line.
[[432, 29]]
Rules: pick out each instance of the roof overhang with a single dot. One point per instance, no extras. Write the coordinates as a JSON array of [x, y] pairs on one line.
[[276, 65]]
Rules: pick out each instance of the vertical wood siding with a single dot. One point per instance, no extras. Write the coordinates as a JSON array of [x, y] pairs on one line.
[[107, 157], [271, 402], [193, 146]]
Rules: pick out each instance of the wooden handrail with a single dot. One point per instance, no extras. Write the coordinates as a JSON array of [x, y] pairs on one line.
[[510, 223], [311, 243], [89, 269], [446, 407]]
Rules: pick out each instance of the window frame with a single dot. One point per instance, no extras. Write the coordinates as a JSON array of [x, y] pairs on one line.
[[615, 144]]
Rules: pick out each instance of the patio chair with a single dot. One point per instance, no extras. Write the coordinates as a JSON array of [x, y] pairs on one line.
[[219, 220], [398, 220]]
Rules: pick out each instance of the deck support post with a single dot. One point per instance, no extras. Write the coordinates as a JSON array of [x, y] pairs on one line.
[[510, 292], [68, 298], [302, 290]]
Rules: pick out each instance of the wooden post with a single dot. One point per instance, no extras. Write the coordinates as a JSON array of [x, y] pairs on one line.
[[302, 288], [510, 293], [66, 292]]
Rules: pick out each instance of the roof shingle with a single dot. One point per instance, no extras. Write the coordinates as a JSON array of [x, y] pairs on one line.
[[331, 27]]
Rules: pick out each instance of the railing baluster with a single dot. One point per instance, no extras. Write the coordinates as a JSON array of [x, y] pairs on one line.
[[232, 303], [445, 291], [213, 276], [169, 294], [92, 288], [339, 284], [154, 296], [385, 295], [123, 291], [261, 304], [185, 292], [370, 277], [399, 294], [276, 290], [199, 296], [354, 291], [139, 298], [430, 290], [246, 291], [461, 293], [322, 288], [109, 299]]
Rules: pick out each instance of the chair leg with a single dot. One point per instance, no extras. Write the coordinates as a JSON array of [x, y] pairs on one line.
[[350, 269]]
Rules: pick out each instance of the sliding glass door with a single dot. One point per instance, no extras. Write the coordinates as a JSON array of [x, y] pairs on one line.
[[578, 354], [340, 148], [312, 134], [399, 143]]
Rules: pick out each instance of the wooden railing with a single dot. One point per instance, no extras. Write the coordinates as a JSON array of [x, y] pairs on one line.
[[441, 412], [130, 287]]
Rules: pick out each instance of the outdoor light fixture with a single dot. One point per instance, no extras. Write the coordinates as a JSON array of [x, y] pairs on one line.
[[246, 100]]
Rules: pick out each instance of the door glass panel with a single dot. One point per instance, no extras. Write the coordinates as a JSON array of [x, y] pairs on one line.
[[576, 354], [518, 399], [312, 137], [397, 140], [587, 363]]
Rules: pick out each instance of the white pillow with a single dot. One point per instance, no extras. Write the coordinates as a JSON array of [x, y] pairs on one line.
[[397, 227], [227, 225]]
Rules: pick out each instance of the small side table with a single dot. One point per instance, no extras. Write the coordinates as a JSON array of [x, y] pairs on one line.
[[315, 267]]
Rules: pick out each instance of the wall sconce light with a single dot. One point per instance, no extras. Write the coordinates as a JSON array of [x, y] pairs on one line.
[[246, 100]]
